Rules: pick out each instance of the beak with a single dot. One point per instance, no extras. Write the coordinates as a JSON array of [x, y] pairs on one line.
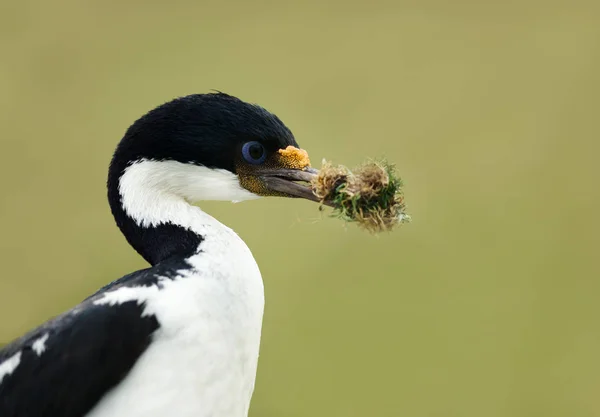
[[291, 182]]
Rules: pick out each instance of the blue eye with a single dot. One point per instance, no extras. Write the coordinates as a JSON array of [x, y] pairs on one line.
[[254, 152]]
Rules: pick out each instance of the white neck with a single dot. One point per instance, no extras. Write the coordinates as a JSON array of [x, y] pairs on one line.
[[160, 192]]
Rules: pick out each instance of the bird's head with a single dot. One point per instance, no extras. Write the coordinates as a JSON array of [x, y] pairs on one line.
[[202, 147], [214, 147]]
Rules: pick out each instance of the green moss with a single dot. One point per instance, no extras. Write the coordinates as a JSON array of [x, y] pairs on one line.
[[370, 196]]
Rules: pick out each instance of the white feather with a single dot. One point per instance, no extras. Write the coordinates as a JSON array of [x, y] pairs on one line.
[[202, 360], [39, 346], [154, 192], [9, 365]]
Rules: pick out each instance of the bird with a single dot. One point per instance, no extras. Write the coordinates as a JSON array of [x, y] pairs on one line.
[[182, 336]]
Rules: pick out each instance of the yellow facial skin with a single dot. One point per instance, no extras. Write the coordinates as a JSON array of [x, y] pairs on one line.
[[288, 158]]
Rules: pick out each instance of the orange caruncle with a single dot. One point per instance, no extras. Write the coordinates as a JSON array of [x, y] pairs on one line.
[[293, 157]]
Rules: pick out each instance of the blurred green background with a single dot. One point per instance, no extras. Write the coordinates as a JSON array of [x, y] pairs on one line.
[[486, 305]]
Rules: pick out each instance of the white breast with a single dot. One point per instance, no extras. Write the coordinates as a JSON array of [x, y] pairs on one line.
[[202, 360]]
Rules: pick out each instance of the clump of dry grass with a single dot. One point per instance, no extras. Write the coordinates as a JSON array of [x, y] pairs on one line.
[[371, 195]]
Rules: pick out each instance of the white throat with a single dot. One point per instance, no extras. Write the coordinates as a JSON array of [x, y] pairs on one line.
[[159, 192]]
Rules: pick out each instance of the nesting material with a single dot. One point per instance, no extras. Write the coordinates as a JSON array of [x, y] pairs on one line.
[[370, 195]]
